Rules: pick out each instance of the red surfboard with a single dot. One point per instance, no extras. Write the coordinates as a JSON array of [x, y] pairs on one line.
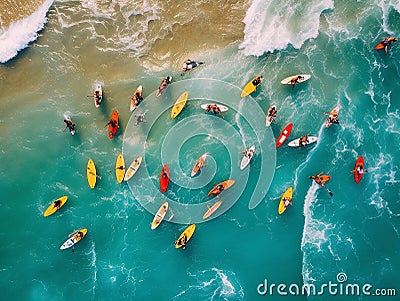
[[112, 130], [164, 178], [284, 135], [359, 169]]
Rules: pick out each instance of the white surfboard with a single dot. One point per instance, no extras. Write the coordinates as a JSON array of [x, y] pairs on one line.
[[296, 142], [286, 81], [132, 169], [221, 107], [247, 157]]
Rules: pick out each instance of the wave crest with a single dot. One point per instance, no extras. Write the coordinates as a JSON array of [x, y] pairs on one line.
[[273, 25], [19, 34]]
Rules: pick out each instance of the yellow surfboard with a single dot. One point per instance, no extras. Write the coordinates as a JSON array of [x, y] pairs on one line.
[[249, 88], [53, 207], [91, 173], [185, 236], [288, 196], [179, 104], [120, 168]]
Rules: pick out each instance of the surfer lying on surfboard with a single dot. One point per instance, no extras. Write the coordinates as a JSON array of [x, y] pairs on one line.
[[190, 64], [303, 140], [257, 81], [386, 42], [320, 179], [214, 108], [295, 80], [70, 125]]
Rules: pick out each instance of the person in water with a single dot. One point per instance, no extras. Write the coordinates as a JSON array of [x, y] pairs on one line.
[[70, 125], [257, 80], [295, 80], [139, 119]]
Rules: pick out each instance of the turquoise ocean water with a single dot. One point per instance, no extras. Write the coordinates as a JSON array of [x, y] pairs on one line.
[[350, 238]]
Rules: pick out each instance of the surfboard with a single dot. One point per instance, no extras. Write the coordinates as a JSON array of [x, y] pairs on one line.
[[164, 181], [212, 209], [221, 107], [284, 135], [98, 89], [296, 142], [133, 105], [52, 208], [159, 215], [287, 80], [224, 186], [120, 168], [358, 175], [179, 104], [73, 239], [91, 173], [200, 163], [188, 233], [288, 196], [133, 168], [247, 157], [249, 88]]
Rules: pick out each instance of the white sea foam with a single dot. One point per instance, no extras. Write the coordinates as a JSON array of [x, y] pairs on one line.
[[314, 232], [19, 34], [217, 283], [386, 6], [273, 25]]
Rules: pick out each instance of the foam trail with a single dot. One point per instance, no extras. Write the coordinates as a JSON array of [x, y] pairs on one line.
[[21, 33], [273, 25]]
